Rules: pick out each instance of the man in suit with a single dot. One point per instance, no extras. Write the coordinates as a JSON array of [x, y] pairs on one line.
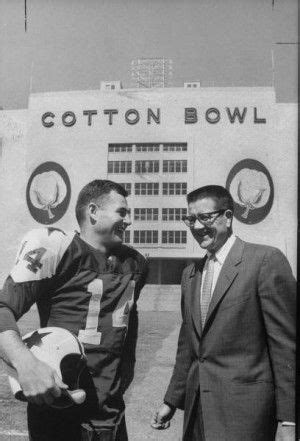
[[234, 374]]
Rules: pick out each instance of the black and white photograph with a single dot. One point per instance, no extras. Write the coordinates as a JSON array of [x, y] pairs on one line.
[[148, 220]]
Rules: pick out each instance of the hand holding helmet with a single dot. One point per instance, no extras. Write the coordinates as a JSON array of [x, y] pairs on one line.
[[49, 372]]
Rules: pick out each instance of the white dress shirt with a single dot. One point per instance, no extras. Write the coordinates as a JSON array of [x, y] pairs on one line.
[[220, 257]]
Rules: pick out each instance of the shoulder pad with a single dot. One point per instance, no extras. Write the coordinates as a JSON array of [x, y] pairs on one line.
[[40, 253]]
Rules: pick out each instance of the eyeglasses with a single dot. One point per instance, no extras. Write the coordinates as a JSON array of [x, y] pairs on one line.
[[204, 218]]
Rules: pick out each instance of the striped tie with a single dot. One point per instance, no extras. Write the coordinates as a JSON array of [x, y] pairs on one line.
[[207, 288]]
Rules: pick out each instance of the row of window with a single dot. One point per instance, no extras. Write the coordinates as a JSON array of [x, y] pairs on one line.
[[151, 214], [146, 166], [119, 148], [146, 214], [148, 147], [151, 237], [169, 166], [119, 166], [152, 188]]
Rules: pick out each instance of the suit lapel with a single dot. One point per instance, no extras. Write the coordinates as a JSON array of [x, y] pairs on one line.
[[227, 275], [195, 280]]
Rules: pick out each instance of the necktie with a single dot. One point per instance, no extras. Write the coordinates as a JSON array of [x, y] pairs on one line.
[[207, 288]]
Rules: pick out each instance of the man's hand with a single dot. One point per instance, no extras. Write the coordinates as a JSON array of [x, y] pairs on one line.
[[285, 433], [161, 418], [39, 382]]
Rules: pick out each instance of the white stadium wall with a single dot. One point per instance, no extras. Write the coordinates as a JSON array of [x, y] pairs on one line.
[[200, 118]]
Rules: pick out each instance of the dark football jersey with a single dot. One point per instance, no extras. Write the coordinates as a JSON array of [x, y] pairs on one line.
[[75, 286]]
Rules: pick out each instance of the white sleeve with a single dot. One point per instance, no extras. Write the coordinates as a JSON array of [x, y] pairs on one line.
[[39, 255]]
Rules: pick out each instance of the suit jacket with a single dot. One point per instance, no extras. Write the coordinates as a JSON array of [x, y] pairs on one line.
[[243, 360]]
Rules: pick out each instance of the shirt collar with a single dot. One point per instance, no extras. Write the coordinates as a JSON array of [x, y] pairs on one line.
[[222, 253]]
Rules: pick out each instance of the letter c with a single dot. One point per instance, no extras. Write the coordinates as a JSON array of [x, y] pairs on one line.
[[47, 123]]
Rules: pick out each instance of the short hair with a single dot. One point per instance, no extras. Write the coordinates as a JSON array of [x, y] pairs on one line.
[[219, 194], [92, 191]]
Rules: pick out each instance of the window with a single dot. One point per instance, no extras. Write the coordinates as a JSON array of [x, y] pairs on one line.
[[173, 237], [146, 214], [194, 84], [145, 236], [175, 147], [171, 166], [126, 236], [174, 188], [146, 166], [119, 148], [119, 167], [127, 186], [146, 188], [147, 147], [173, 214]]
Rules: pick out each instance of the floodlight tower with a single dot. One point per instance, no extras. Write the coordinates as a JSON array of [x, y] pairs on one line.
[[151, 72]]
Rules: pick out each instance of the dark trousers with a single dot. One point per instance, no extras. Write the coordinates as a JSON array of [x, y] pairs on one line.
[[97, 419], [48, 424], [101, 416]]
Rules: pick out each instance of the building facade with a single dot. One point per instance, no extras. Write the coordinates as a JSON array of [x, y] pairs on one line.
[[160, 144]]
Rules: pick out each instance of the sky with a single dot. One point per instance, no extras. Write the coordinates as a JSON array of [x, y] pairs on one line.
[[73, 44]]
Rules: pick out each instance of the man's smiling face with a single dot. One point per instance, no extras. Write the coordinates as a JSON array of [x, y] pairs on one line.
[[210, 235], [112, 218]]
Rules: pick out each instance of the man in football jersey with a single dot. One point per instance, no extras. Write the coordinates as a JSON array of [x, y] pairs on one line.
[[87, 283]]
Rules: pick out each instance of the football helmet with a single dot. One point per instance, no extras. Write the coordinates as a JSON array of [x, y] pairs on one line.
[[61, 350]]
